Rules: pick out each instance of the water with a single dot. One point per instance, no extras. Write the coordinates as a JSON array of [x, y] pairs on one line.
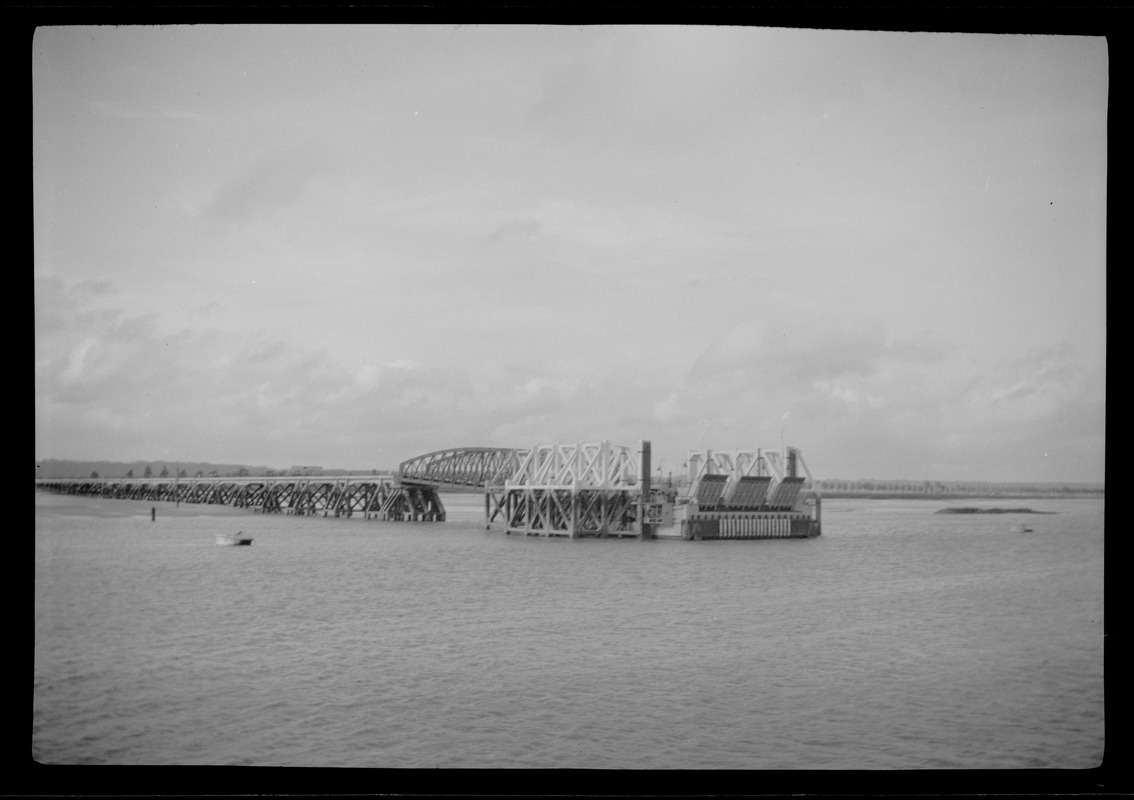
[[899, 640]]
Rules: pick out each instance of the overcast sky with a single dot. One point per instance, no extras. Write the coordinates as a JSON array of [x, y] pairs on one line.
[[347, 246]]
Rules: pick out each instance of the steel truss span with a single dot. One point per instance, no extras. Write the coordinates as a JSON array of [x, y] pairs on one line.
[[462, 467], [580, 489]]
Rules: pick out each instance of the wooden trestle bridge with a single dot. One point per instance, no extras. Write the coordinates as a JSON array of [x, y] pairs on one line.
[[585, 489], [411, 494]]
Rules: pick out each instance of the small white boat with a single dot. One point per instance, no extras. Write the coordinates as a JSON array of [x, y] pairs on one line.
[[1022, 529], [231, 539]]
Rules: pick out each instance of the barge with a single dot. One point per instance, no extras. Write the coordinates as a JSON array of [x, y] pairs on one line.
[[746, 494]]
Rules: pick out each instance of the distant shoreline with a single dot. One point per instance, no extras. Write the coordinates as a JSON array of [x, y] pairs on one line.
[[973, 510], [1086, 495]]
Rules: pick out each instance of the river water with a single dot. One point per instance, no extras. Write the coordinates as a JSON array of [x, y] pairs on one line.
[[900, 639]]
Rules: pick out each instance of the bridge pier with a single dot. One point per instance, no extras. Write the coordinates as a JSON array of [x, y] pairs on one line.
[[557, 511], [409, 503], [495, 505], [573, 490]]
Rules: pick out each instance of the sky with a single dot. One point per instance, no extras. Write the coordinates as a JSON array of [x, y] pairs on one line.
[[347, 246]]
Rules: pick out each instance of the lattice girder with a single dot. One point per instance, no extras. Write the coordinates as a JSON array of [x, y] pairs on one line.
[[558, 511], [472, 467], [585, 465]]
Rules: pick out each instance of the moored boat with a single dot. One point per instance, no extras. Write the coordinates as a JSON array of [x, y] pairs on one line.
[[233, 539]]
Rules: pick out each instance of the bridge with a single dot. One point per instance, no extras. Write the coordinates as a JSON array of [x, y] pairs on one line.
[[411, 494], [584, 489]]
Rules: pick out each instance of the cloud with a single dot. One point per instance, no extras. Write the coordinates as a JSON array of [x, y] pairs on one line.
[[112, 384], [517, 231], [649, 87], [856, 398], [792, 348], [114, 110], [272, 183], [1033, 387], [77, 361], [864, 404]]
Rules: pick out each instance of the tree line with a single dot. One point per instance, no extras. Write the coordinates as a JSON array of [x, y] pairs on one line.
[[909, 488], [242, 472]]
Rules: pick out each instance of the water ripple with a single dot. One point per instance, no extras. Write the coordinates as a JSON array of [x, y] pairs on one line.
[[900, 639]]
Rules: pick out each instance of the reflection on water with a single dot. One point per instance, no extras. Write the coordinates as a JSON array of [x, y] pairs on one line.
[[900, 639]]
